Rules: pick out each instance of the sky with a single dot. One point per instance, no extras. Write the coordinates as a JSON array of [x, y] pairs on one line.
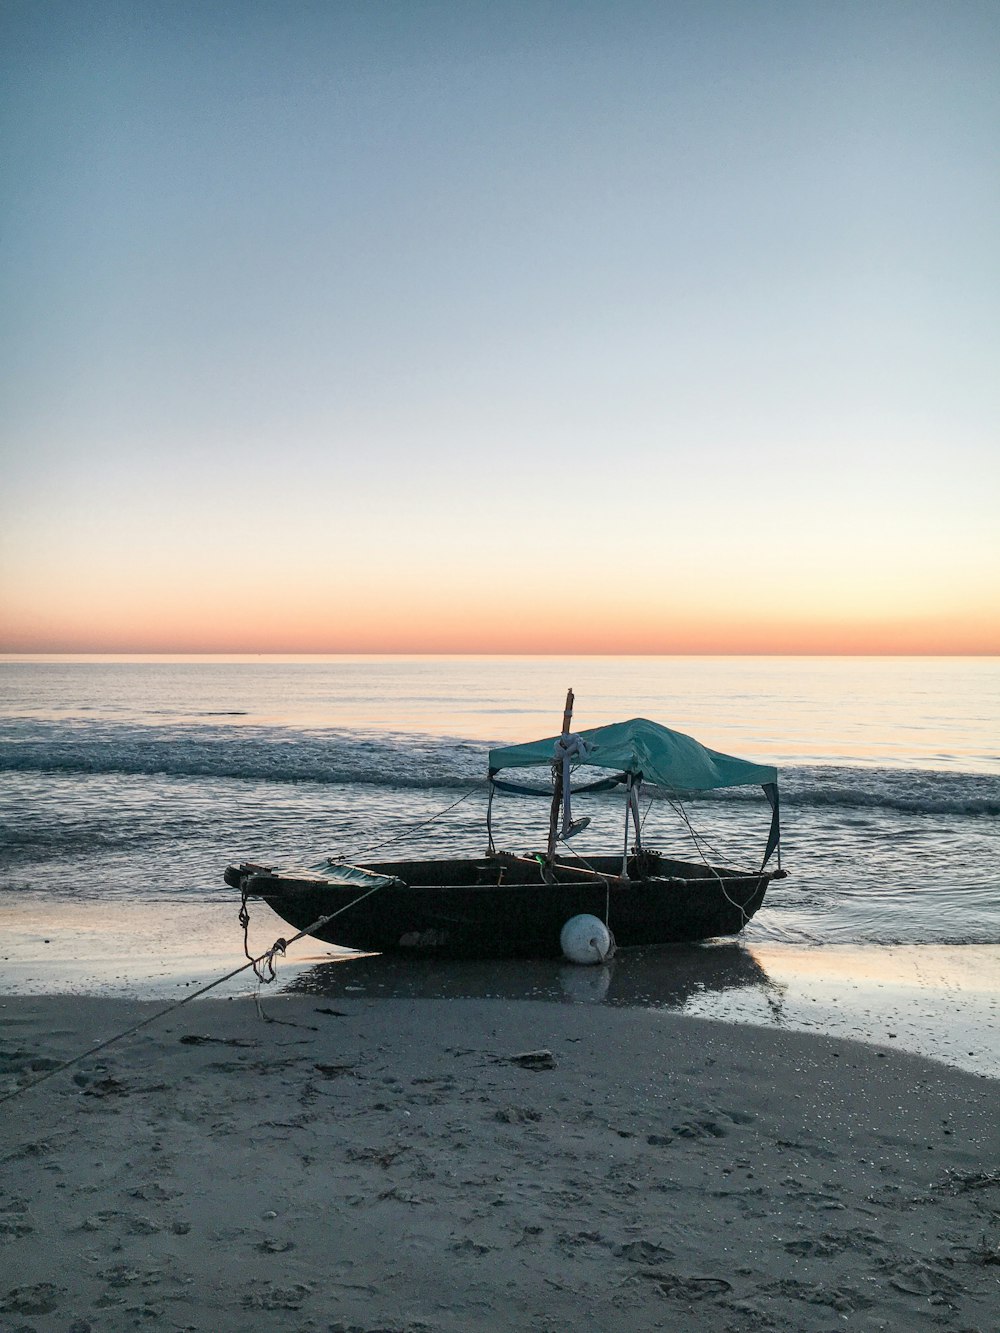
[[545, 327]]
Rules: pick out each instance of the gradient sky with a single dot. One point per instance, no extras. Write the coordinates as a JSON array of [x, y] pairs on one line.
[[540, 327]]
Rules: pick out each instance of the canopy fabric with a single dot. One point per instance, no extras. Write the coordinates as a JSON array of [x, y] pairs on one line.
[[520, 789], [642, 748]]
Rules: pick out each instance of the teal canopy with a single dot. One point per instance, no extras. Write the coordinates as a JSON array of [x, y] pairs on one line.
[[647, 750]]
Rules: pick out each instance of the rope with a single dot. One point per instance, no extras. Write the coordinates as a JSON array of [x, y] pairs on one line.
[[649, 807], [263, 966], [678, 807], [601, 875], [699, 841], [267, 958], [411, 828]]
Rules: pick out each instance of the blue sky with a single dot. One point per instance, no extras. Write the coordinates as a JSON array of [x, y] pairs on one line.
[[562, 313]]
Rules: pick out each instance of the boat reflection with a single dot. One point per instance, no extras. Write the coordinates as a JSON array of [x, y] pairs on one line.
[[663, 978]]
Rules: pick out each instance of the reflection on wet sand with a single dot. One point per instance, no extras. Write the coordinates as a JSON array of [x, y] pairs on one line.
[[666, 977], [932, 1001]]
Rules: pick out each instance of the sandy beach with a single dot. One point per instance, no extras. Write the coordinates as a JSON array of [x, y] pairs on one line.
[[445, 1164]]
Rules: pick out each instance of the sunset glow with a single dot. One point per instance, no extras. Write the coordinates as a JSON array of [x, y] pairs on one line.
[[585, 329]]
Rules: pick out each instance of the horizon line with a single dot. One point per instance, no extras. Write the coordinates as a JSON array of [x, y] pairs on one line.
[[7, 655]]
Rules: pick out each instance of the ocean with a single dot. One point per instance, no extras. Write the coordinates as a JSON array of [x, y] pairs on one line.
[[140, 779], [128, 785]]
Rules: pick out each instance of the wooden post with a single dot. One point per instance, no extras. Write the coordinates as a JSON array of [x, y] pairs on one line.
[[557, 792], [628, 820]]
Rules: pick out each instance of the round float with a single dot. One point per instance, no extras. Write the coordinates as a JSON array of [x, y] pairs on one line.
[[586, 939]]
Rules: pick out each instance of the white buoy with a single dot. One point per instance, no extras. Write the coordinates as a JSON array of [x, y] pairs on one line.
[[586, 939]]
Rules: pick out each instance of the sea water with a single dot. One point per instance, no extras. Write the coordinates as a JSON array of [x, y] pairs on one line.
[[128, 785], [139, 779]]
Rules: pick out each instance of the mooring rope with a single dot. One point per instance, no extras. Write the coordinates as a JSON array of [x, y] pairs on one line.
[[262, 964], [264, 959], [411, 828], [677, 805]]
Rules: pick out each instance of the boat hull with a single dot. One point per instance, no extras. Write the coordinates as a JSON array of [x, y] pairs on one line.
[[496, 909]]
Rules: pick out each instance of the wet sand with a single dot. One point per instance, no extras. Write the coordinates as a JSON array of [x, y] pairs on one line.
[[412, 1164], [931, 1000], [411, 1148]]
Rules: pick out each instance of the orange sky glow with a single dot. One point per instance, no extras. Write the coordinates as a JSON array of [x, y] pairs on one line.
[[331, 330], [524, 630]]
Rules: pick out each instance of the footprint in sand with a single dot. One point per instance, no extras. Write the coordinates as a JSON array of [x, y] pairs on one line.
[[644, 1252], [700, 1129], [42, 1298], [269, 1296], [14, 1220]]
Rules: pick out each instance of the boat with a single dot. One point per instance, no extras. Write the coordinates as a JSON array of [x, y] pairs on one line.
[[516, 904]]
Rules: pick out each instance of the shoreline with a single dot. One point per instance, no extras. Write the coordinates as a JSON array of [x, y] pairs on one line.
[[486, 1163], [936, 1001]]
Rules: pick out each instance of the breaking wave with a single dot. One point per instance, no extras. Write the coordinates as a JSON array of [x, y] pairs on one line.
[[283, 755]]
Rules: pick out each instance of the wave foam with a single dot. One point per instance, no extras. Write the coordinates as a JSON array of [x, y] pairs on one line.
[[397, 760]]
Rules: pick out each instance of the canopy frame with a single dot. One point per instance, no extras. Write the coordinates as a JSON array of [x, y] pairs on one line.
[[640, 751]]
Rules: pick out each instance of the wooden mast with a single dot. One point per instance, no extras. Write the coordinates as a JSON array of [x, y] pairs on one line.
[[557, 792]]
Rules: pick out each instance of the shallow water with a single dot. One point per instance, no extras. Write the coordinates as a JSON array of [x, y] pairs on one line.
[[938, 1001], [126, 787], [138, 779]]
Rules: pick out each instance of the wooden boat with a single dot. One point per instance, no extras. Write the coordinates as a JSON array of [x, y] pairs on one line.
[[503, 905]]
